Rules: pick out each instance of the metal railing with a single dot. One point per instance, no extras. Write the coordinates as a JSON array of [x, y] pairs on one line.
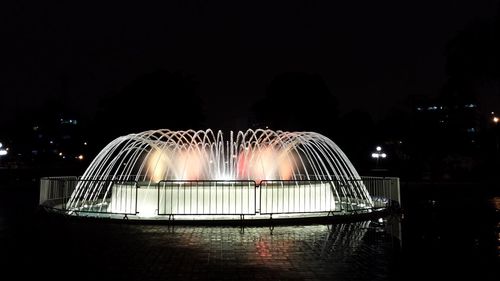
[[206, 197], [212, 197], [105, 197], [56, 191], [385, 192], [94, 195], [286, 197]]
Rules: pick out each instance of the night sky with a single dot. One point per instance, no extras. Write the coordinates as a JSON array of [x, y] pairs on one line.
[[372, 54]]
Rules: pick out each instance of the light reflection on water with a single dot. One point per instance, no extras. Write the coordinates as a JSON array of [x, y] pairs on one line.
[[359, 250], [497, 232], [353, 251], [495, 203]]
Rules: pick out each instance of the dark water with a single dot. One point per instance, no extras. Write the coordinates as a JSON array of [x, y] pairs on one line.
[[446, 232]]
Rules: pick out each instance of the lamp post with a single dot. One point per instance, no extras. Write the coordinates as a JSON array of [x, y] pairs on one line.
[[3, 151], [496, 120], [378, 154]]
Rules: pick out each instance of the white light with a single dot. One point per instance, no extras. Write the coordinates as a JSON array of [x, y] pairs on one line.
[[60, 153], [80, 157], [200, 155], [224, 177], [495, 119], [85, 143], [3, 152], [379, 148], [383, 155], [1, 144]]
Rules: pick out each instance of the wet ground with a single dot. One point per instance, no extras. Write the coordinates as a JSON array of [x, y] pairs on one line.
[[438, 237]]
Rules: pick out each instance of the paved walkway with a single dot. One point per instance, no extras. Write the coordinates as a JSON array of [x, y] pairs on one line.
[[108, 251]]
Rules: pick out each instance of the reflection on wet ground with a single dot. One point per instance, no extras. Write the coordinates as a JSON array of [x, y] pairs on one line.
[[434, 239], [354, 251]]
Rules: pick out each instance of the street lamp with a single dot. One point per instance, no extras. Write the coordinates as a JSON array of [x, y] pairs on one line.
[[495, 120], [378, 154], [3, 152]]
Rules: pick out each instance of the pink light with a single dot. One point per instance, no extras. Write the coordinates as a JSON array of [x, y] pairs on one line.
[[265, 163], [190, 164]]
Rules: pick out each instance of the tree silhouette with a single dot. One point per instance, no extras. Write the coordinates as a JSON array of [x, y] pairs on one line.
[[473, 54], [298, 101], [156, 100], [357, 137], [473, 69]]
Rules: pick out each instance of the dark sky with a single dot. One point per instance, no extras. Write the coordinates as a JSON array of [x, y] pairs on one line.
[[372, 54]]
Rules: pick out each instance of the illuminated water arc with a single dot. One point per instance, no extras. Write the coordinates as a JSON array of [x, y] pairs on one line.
[[155, 155]]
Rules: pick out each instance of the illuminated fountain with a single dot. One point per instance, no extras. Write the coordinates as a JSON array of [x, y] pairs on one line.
[[192, 173]]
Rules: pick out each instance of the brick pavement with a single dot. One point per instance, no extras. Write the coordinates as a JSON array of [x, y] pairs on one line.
[[73, 250]]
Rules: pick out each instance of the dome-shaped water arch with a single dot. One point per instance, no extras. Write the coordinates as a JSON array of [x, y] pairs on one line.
[[164, 172]]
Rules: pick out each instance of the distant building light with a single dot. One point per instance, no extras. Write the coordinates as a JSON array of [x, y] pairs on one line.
[[470, 105], [35, 128], [419, 108], [60, 154], [51, 142], [432, 107], [471, 130], [495, 120], [69, 121], [85, 143], [80, 157]]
